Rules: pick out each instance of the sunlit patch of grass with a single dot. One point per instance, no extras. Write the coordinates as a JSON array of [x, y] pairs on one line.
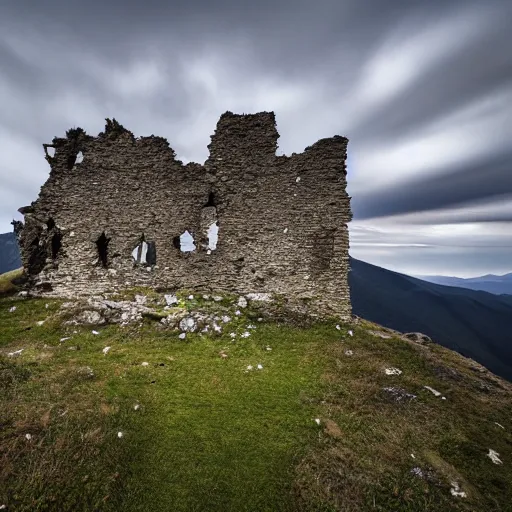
[[6, 279]]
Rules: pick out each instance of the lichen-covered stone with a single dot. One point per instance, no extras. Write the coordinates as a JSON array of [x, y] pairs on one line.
[[282, 220]]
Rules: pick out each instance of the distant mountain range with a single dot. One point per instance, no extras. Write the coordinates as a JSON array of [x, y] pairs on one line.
[[488, 283], [475, 323], [9, 253]]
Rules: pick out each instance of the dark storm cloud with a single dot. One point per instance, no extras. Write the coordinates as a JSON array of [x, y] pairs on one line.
[[422, 89], [488, 178]]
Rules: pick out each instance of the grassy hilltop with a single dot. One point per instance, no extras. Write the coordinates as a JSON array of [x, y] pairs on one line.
[[195, 430]]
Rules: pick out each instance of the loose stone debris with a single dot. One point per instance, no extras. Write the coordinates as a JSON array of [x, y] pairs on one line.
[[12, 309], [349, 352], [120, 435], [455, 491], [105, 350], [501, 426], [393, 371], [494, 456], [399, 394], [432, 390], [15, 353], [182, 336]]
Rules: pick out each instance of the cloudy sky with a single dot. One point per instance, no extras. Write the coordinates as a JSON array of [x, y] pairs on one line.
[[423, 90]]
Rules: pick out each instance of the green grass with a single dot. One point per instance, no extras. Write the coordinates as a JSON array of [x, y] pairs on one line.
[[211, 436]]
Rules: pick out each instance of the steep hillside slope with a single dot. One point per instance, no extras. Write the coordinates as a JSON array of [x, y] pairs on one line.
[[9, 253], [474, 323], [259, 416]]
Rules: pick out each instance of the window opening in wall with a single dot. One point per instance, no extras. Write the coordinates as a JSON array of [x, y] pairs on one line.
[[145, 253], [56, 245], [213, 236], [50, 224], [79, 158], [211, 200], [140, 252], [209, 225], [185, 242], [102, 246]]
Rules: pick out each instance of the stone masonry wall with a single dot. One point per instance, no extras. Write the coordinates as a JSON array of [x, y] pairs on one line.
[[282, 219]]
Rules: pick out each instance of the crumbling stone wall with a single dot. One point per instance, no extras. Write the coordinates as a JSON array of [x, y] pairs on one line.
[[282, 219]]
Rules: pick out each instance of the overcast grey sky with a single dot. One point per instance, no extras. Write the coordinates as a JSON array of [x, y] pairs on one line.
[[423, 90]]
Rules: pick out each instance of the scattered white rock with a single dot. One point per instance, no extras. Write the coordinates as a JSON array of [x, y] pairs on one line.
[[120, 435], [285, 230], [242, 302], [417, 472], [95, 333], [182, 336], [338, 327], [190, 297], [28, 437], [393, 371], [12, 309], [297, 179], [237, 312], [208, 251], [15, 353], [3, 507], [226, 319], [47, 306], [23, 294], [171, 299], [413, 456], [494, 456], [350, 333], [206, 297], [65, 339], [188, 324], [251, 326], [269, 348], [260, 297], [432, 390], [40, 322], [260, 319], [217, 298], [136, 407], [144, 363], [216, 327], [105, 350], [501, 426], [349, 353], [141, 299], [245, 334], [317, 421], [232, 334], [260, 367], [249, 367], [455, 491]]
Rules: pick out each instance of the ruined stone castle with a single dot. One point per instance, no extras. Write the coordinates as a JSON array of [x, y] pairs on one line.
[[119, 211]]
